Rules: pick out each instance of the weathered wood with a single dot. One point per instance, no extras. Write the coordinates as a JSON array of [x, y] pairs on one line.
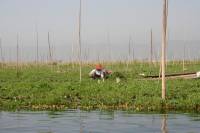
[[164, 43]]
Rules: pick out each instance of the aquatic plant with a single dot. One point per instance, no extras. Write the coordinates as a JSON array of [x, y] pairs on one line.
[[41, 87]]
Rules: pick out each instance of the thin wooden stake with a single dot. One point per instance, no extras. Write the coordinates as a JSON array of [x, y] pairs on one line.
[[2, 58], [109, 47], [133, 53], [79, 40], [37, 47], [184, 59], [17, 55], [129, 53], [50, 54], [164, 43], [53, 49], [129, 49], [72, 56], [151, 50]]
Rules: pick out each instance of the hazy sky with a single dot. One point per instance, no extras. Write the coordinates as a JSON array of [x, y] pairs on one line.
[[103, 22]]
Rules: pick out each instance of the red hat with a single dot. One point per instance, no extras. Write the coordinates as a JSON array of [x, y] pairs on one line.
[[98, 67]]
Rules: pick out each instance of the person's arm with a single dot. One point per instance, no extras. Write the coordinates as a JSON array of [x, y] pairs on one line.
[[92, 73], [102, 75]]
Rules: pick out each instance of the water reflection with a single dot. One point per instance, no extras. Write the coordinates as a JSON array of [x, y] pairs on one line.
[[77, 121], [106, 115], [81, 122], [164, 124]]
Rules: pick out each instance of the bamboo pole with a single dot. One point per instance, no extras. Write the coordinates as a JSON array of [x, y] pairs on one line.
[[133, 53], [17, 55], [85, 55], [53, 49], [49, 44], [129, 53], [109, 47], [167, 34], [164, 43], [151, 49], [88, 50], [10, 57], [184, 42], [184, 58], [2, 58], [72, 56], [79, 40], [98, 57], [37, 45], [129, 49]]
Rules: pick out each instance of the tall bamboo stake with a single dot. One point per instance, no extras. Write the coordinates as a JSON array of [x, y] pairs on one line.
[[2, 58], [98, 57], [53, 49], [164, 43], [133, 54], [79, 40], [133, 51], [49, 44], [109, 47], [86, 55], [184, 58], [129, 49], [37, 47], [17, 55], [72, 56], [151, 49], [129, 53], [10, 57]]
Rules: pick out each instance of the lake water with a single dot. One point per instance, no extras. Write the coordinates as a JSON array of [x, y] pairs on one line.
[[76, 121]]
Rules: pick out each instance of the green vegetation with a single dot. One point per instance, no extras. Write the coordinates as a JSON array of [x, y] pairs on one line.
[[57, 87]]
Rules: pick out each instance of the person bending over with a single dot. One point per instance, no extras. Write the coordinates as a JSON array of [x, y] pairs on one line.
[[99, 72]]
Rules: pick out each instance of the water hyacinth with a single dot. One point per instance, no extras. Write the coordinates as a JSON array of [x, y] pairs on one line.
[[41, 87]]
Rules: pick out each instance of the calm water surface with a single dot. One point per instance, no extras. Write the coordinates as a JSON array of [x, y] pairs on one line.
[[75, 121]]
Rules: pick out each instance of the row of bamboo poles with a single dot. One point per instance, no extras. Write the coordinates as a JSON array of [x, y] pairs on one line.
[[85, 55], [164, 45], [130, 46]]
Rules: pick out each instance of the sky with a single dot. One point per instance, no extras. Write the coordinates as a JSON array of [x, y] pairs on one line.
[[107, 26]]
